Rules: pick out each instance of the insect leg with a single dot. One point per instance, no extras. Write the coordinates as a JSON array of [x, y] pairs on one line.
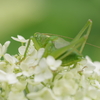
[[87, 34], [87, 25], [62, 50]]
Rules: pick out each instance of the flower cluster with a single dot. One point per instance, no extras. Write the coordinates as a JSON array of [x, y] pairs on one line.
[[30, 76]]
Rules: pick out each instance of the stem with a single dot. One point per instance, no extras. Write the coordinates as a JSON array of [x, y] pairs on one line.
[[43, 84], [26, 90], [25, 52], [27, 48], [36, 44]]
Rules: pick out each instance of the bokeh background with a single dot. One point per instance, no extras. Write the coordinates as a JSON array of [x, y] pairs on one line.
[[62, 17]]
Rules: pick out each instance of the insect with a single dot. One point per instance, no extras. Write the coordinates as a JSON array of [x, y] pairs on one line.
[[68, 52]]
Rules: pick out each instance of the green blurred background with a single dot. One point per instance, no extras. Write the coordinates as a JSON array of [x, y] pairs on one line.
[[62, 17]]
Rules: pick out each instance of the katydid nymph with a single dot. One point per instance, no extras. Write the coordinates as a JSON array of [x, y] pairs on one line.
[[61, 49]]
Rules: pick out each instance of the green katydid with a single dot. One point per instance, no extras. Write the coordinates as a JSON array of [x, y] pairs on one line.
[[61, 49]]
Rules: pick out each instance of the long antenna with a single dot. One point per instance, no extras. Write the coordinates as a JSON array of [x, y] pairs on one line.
[[71, 39]]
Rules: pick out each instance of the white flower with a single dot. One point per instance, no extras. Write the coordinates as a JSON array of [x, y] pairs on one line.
[[44, 94], [16, 96], [22, 49], [97, 69], [28, 65], [38, 55], [35, 86], [90, 65], [87, 98], [42, 72], [10, 63], [11, 78], [19, 86], [3, 48], [93, 93], [52, 63], [31, 49], [2, 76], [3, 65], [19, 39], [86, 66], [10, 59], [8, 77], [65, 87]]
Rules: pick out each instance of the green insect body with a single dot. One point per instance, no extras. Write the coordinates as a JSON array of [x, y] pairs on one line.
[[68, 52], [45, 41]]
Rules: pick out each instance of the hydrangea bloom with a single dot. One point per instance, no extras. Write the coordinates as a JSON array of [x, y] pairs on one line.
[[39, 77], [19, 39], [3, 48]]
